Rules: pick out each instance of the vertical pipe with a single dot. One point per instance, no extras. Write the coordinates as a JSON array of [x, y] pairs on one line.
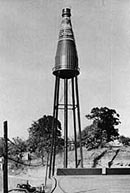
[[65, 122], [5, 166], [79, 123], [46, 168], [55, 126], [52, 144], [74, 117]]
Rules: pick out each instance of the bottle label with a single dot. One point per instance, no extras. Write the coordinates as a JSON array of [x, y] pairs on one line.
[[66, 29]]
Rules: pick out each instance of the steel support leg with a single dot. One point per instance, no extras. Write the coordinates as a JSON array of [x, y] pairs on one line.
[[74, 117], [55, 126], [53, 121], [79, 123], [65, 122], [75, 96]]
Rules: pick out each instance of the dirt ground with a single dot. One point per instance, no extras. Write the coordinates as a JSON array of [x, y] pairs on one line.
[[94, 184], [35, 176]]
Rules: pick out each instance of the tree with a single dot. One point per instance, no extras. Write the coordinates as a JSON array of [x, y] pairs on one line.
[[93, 137], [1, 146], [17, 147], [40, 135], [124, 140], [103, 128]]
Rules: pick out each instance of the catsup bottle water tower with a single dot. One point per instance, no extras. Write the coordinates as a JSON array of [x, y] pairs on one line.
[[66, 69]]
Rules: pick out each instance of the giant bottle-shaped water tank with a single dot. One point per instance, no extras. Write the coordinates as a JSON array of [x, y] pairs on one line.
[[66, 60]]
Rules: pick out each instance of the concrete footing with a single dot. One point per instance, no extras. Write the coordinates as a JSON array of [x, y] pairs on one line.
[[93, 171]]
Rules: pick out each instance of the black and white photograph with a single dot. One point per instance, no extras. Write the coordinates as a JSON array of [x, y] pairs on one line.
[[65, 96]]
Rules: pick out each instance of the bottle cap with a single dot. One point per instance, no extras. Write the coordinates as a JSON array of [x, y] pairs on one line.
[[66, 12]]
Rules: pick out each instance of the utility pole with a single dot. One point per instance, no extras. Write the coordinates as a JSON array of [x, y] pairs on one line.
[[5, 164]]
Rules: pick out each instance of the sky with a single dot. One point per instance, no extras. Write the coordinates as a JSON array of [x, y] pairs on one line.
[[28, 40]]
